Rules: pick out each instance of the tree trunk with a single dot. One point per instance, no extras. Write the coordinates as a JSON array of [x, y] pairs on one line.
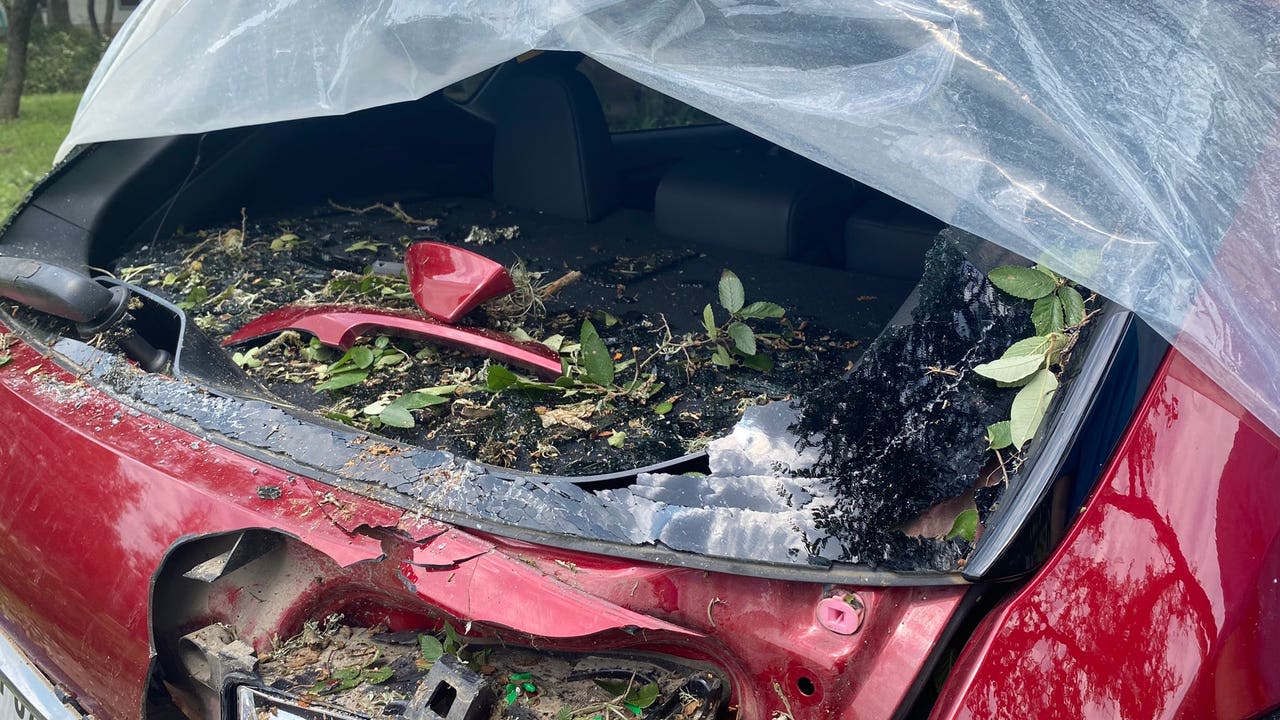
[[59, 14], [21, 12], [92, 6], [109, 20]]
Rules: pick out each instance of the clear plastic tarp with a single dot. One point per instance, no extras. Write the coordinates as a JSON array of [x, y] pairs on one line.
[[1132, 145]]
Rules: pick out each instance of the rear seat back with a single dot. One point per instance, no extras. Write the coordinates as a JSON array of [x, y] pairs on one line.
[[889, 238], [552, 149], [766, 201]]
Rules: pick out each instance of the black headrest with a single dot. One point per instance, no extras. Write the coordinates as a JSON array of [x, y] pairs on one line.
[[552, 150]]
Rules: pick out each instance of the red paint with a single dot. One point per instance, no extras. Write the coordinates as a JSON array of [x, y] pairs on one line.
[[341, 325], [94, 495], [1163, 601], [448, 282]]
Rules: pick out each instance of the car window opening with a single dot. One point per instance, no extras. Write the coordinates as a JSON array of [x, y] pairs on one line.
[[759, 358]]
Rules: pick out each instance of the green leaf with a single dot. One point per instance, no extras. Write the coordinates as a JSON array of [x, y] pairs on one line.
[[452, 640], [346, 673], [1010, 369], [663, 408], [500, 378], [1030, 405], [617, 439], [430, 647], [743, 338], [1021, 282], [396, 416], [520, 677], [197, 296], [1056, 277], [709, 321], [758, 362], [381, 342], [596, 360], [365, 245], [377, 677], [345, 379], [998, 437], [5, 360], [1046, 315], [759, 309], [1072, 305], [644, 696], [248, 359], [721, 357], [418, 399], [965, 526], [615, 688], [287, 241], [731, 293], [1037, 345], [361, 356]]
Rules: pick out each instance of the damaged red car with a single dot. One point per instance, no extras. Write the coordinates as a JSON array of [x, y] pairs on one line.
[[462, 364]]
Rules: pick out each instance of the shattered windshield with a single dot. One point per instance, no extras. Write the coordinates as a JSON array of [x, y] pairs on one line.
[[859, 444], [1126, 145]]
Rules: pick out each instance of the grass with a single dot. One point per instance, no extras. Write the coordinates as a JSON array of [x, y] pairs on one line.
[[27, 145]]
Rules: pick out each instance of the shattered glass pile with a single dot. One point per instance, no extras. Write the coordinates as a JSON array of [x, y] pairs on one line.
[[1128, 144]]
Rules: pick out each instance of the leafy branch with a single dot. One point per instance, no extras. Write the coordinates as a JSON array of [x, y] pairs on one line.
[[733, 341], [1033, 363]]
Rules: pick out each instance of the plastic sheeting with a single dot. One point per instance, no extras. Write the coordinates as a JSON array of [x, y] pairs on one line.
[[1132, 145]]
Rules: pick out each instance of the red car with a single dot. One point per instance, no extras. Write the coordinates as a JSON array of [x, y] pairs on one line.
[[547, 395]]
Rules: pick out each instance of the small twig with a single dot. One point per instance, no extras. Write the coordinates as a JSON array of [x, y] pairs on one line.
[[1003, 470], [777, 688], [560, 283], [394, 209], [712, 604], [282, 338]]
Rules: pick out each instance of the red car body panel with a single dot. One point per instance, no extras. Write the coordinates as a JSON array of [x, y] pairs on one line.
[[95, 494], [1163, 601]]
